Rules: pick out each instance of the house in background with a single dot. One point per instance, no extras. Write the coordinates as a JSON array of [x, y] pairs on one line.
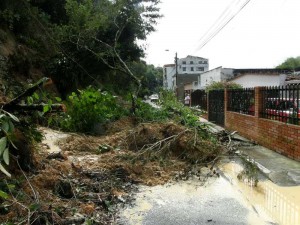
[[186, 68], [245, 77], [259, 77], [192, 65], [169, 72], [215, 75]]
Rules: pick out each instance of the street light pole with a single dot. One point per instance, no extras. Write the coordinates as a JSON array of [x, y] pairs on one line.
[[176, 69]]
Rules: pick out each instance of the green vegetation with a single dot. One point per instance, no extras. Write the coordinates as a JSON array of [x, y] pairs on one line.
[[7, 130], [290, 63], [82, 42], [222, 85], [89, 107]]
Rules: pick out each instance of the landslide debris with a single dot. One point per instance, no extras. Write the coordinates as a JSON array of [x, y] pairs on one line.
[[87, 178]]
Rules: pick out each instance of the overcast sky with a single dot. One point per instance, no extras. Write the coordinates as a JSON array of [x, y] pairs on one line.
[[262, 35]]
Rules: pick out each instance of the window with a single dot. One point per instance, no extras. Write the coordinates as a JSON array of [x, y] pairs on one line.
[[191, 62], [183, 68], [192, 68], [200, 68], [183, 62], [200, 62], [204, 62]]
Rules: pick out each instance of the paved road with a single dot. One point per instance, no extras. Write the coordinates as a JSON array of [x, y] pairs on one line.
[[188, 203]]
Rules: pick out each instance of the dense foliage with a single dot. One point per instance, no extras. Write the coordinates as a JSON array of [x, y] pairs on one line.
[[222, 85], [90, 108], [80, 42], [290, 63]]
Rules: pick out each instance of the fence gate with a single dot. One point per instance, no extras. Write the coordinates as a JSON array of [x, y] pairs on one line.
[[199, 98], [216, 107]]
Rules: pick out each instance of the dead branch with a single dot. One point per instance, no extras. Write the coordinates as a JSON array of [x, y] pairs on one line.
[[160, 145], [27, 92]]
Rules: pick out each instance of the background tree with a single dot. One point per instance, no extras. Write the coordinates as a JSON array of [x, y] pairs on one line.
[[214, 85], [101, 36], [290, 63]]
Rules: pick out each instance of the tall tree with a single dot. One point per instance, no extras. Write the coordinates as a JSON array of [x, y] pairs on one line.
[[107, 31], [290, 63]]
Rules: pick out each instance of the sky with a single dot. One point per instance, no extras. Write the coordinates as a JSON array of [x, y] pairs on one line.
[[262, 35]]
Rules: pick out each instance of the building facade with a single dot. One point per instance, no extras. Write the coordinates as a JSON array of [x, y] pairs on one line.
[[192, 65], [187, 66]]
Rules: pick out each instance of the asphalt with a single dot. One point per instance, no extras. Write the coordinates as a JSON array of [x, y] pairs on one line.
[[191, 203], [280, 169]]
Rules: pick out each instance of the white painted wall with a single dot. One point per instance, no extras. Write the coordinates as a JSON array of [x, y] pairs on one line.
[[168, 77], [256, 80], [210, 76], [192, 62]]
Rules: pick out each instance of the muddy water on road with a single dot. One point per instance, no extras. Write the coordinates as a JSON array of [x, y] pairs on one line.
[[189, 202], [224, 200], [282, 204]]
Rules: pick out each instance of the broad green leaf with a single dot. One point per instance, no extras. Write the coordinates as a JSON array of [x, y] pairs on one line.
[[11, 126], [4, 171], [46, 108], [6, 156], [36, 96], [30, 100], [58, 99], [3, 143], [3, 195], [12, 116], [5, 126]]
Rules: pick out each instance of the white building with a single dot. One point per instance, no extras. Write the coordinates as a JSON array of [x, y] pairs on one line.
[[188, 65], [245, 77], [169, 72], [215, 75], [192, 65]]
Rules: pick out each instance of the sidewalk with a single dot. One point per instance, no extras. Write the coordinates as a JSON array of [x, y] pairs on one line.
[[279, 169]]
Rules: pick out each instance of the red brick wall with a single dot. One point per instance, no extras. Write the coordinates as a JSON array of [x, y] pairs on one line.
[[280, 137]]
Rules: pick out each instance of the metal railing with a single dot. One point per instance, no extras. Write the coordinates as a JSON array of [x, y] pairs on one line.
[[199, 98], [281, 103], [241, 101]]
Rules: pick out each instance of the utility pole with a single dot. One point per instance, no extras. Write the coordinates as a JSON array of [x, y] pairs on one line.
[[176, 69]]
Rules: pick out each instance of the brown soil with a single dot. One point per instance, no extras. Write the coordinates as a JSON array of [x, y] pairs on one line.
[[93, 175]]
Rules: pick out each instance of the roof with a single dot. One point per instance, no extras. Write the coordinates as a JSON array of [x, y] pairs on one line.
[[191, 56], [261, 71], [169, 65]]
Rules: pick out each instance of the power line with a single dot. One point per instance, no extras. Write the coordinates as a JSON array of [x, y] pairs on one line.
[[226, 11], [219, 29]]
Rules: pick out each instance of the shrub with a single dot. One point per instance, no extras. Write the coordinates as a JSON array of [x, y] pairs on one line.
[[89, 107]]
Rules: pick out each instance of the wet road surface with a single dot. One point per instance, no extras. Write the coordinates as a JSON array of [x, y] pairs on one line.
[[190, 203]]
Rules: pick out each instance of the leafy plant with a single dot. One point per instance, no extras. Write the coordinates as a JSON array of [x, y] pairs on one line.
[[214, 85], [89, 107], [7, 129]]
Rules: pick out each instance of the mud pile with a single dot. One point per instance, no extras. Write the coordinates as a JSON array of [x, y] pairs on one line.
[[88, 177]]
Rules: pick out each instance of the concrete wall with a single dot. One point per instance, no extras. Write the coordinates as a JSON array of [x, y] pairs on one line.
[[168, 76], [207, 77], [280, 137]]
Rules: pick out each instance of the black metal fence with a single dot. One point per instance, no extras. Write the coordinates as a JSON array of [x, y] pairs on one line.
[[282, 103], [241, 101], [216, 106], [199, 98]]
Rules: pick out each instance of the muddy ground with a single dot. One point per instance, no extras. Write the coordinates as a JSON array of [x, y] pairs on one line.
[[80, 179]]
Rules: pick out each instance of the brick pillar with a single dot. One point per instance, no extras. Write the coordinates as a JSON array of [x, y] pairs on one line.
[[258, 100]]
